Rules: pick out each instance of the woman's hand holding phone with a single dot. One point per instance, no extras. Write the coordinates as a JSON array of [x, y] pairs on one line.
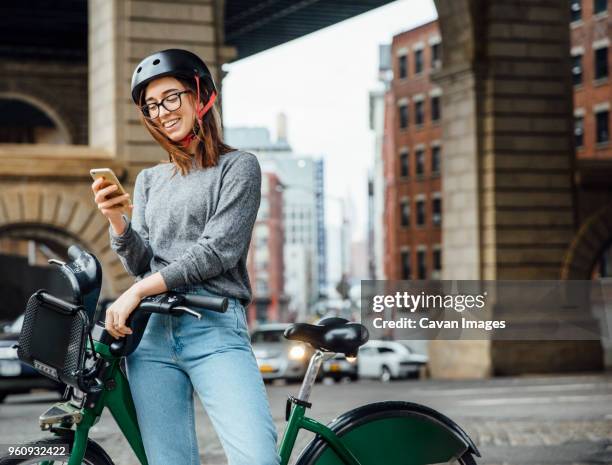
[[112, 207]]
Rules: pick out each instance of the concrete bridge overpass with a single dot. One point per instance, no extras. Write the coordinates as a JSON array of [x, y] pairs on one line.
[[517, 204]]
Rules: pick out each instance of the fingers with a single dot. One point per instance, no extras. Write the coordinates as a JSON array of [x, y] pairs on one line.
[[122, 329], [103, 192], [115, 325], [114, 201], [96, 184], [109, 325]]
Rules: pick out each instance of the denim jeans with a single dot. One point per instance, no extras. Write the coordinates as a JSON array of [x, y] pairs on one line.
[[212, 356]]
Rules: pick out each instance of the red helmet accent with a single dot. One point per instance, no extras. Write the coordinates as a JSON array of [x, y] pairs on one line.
[[200, 112]]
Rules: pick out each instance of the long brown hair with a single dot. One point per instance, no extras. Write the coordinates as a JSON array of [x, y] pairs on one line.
[[210, 146]]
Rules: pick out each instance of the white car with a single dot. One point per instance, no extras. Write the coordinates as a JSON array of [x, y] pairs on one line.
[[386, 360]]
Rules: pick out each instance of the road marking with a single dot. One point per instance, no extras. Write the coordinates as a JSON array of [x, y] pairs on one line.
[[537, 388], [536, 400]]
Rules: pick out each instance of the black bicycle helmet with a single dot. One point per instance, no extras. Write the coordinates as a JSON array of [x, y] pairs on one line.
[[171, 62]]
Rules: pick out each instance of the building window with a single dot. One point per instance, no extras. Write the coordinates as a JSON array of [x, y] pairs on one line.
[[602, 123], [419, 113], [261, 266], [599, 6], [261, 287], [420, 162], [601, 63], [577, 69], [418, 61], [437, 260], [437, 211], [402, 63], [421, 266], [420, 212], [405, 212], [405, 264], [576, 10], [436, 60], [404, 164], [435, 108], [403, 114], [579, 130], [435, 159]]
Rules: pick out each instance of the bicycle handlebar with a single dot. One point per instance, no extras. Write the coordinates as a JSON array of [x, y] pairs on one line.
[[168, 303], [217, 304]]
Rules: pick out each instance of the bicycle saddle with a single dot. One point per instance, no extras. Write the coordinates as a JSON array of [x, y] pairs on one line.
[[330, 334]]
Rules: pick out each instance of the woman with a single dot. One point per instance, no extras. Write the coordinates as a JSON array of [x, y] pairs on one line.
[[190, 231]]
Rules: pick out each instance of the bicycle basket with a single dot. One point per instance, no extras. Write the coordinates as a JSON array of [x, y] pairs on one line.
[[54, 337]]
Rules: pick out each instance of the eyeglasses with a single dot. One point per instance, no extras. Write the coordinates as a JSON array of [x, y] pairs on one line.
[[171, 103]]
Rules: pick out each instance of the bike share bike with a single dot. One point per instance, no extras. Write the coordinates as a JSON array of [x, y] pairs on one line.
[[65, 341]]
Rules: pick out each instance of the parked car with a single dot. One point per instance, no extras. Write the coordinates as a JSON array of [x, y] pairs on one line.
[[387, 360], [340, 367], [17, 377], [277, 357]]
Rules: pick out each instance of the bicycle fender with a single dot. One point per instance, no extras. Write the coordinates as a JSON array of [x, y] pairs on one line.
[[424, 416], [91, 444]]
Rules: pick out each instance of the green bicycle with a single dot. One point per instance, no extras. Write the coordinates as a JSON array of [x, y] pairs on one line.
[[64, 341]]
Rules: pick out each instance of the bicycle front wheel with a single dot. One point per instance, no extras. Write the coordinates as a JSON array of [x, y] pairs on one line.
[[94, 454], [393, 433]]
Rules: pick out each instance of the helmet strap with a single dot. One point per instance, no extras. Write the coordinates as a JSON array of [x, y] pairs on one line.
[[200, 112]]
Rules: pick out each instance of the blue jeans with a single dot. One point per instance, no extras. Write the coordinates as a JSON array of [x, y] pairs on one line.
[[213, 356]]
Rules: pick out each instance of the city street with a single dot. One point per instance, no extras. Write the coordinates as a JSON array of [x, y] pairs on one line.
[[530, 420]]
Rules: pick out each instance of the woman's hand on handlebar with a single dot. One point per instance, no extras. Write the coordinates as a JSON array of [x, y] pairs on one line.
[[111, 208], [119, 311]]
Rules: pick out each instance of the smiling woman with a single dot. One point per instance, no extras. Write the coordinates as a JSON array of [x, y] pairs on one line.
[[190, 234], [176, 95]]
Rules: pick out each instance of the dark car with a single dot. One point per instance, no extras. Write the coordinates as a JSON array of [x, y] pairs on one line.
[[340, 367], [17, 377]]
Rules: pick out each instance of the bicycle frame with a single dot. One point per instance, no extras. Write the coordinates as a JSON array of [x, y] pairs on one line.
[[298, 420], [117, 397]]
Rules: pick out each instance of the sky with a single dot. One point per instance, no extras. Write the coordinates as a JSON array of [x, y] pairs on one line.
[[322, 82]]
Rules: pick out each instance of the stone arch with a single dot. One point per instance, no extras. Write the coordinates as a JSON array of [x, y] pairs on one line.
[[63, 218], [594, 235], [459, 29], [53, 114]]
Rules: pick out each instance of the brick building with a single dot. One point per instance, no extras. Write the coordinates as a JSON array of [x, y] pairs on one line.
[[265, 258], [412, 153], [590, 32], [591, 28]]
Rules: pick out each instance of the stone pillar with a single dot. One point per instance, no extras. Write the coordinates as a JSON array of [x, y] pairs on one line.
[[528, 164], [462, 207], [121, 33], [508, 156], [461, 177]]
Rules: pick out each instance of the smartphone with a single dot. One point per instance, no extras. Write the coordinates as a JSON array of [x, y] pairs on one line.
[[109, 176]]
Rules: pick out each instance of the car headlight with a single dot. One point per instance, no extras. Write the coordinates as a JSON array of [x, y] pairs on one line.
[[351, 359], [8, 353], [297, 353]]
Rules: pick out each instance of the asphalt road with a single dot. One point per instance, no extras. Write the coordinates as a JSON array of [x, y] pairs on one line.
[[531, 420]]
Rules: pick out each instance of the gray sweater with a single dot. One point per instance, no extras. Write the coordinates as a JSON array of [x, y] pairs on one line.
[[194, 229]]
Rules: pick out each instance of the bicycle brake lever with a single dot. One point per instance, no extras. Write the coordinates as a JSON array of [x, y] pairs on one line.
[[188, 311]]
